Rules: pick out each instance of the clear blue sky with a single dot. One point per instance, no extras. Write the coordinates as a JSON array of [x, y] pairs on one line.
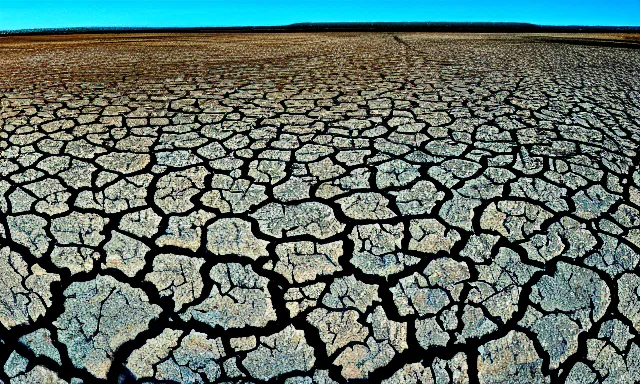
[[23, 14]]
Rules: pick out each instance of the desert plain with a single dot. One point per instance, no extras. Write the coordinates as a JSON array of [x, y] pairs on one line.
[[320, 208]]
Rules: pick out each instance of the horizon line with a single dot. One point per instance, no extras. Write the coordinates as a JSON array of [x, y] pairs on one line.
[[360, 26]]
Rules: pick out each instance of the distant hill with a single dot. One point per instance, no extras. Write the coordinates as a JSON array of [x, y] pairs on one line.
[[345, 27]]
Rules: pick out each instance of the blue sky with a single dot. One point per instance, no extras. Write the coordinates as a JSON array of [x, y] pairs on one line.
[[24, 14]]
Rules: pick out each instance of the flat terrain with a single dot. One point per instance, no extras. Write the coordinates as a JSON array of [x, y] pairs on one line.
[[319, 208]]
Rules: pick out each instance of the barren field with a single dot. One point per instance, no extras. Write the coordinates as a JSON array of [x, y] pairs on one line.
[[320, 208]]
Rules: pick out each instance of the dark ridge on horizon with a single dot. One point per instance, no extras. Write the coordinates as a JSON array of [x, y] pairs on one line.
[[483, 27]]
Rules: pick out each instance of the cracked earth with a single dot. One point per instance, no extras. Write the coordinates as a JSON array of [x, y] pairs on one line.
[[318, 208]]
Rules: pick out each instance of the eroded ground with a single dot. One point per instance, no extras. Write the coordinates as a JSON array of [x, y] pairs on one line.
[[318, 208]]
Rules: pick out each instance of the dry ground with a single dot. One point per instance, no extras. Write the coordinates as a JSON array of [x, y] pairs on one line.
[[318, 208]]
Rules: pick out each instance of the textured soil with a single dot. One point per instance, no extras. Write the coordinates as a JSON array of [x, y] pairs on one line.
[[320, 208]]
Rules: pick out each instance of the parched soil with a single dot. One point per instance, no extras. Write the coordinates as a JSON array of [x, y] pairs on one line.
[[320, 208]]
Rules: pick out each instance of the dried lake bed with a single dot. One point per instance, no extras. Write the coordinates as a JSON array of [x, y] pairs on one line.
[[320, 208]]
